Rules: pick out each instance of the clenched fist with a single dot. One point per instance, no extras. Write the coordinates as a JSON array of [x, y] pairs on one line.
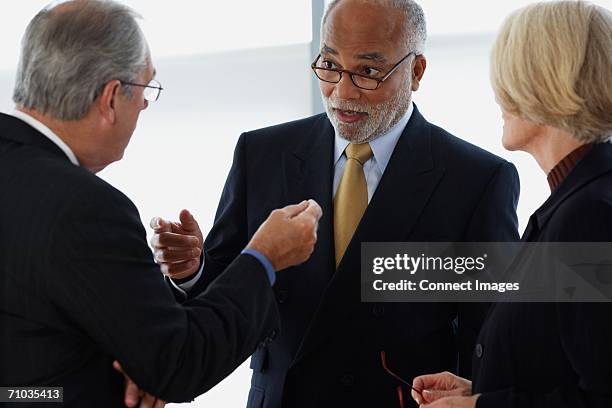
[[177, 245]]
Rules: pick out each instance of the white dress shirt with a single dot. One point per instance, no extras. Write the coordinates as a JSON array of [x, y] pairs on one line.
[[48, 133], [382, 149]]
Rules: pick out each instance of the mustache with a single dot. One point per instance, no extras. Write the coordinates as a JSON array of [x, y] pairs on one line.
[[348, 106]]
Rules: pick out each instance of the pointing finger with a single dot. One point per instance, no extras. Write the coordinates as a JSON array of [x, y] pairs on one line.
[[188, 222]]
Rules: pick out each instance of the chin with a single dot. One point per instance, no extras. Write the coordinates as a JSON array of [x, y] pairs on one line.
[[354, 137], [510, 143]]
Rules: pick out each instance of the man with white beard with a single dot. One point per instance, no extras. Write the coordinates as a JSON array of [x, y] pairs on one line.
[[381, 173]]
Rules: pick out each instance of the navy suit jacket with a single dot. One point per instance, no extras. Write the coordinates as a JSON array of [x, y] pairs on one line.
[[79, 288], [436, 187], [554, 354]]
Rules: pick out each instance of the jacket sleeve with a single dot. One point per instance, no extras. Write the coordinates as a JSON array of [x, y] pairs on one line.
[[494, 220], [102, 276]]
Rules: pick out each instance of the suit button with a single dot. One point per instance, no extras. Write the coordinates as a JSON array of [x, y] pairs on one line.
[[378, 310], [281, 296], [347, 380], [479, 350]]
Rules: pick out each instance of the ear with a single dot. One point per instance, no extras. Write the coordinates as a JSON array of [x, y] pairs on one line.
[[107, 101], [420, 64]]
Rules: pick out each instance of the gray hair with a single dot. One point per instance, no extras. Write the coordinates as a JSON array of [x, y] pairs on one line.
[[71, 51], [415, 28]]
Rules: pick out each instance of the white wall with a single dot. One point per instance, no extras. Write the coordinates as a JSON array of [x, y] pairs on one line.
[[456, 95]]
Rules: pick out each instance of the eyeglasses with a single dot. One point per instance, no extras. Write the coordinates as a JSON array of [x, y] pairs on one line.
[[400, 390], [333, 75], [152, 89]]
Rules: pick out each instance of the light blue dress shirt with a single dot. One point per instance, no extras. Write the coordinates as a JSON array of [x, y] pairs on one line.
[[382, 149]]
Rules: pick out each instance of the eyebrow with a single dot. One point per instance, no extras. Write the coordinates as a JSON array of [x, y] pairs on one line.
[[328, 50], [369, 56], [372, 56]]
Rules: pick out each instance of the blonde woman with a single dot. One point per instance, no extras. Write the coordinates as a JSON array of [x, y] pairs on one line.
[[551, 70]]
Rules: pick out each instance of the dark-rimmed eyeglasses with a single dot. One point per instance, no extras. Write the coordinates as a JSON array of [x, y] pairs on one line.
[[400, 387], [334, 75], [151, 91]]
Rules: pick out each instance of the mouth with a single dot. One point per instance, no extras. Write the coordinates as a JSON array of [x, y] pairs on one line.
[[349, 116]]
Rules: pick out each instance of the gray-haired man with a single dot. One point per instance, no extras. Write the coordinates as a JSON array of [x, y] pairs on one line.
[[78, 284]]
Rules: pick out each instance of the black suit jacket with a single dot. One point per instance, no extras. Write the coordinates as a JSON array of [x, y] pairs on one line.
[[555, 354], [436, 187], [79, 288]]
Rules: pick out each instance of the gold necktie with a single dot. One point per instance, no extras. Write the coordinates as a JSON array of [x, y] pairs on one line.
[[351, 197]]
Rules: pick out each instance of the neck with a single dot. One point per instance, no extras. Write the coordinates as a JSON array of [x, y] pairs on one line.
[[551, 146], [74, 133]]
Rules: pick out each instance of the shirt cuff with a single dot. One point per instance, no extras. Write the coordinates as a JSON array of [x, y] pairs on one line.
[[186, 286], [265, 262]]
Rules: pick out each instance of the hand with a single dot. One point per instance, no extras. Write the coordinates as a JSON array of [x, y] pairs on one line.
[[288, 236], [133, 394], [436, 386], [453, 402], [177, 246]]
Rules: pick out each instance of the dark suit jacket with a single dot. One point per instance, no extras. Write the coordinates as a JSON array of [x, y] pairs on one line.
[[436, 187], [79, 288], [555, 354]]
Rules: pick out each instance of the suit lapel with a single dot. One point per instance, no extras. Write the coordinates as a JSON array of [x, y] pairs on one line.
[[308, 174], [409, 180]]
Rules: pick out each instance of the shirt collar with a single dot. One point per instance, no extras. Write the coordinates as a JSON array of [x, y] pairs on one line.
[[382, 147], [48, 133]]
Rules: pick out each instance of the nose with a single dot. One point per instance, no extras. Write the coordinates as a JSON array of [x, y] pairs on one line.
[[346, 89], [145, 105]]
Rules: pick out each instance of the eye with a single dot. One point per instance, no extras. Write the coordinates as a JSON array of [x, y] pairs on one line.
[[328, 64], [371, 72]]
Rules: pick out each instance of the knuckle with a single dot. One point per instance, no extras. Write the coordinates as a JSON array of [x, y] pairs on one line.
[[158, 254], [165, 269]]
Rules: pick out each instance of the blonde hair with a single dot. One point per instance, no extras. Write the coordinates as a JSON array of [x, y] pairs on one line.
[[552, 64]]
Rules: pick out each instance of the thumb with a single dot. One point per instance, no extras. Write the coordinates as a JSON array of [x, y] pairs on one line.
[[313, 210], [295, 209], [158, 225], [434, 395], [188, 223], [117, 366]]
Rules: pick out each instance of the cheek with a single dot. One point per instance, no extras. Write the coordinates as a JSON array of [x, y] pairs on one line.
[[386, 91], [326, 88]]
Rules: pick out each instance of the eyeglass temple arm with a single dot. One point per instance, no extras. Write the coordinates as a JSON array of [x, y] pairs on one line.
[[383, 358]]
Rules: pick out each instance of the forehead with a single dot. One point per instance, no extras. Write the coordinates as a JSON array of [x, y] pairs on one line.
[[360, 26]]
